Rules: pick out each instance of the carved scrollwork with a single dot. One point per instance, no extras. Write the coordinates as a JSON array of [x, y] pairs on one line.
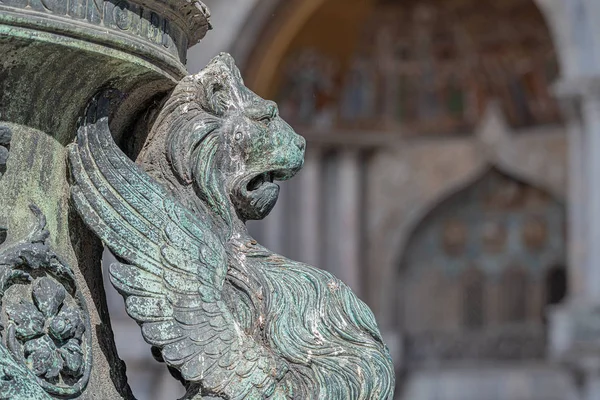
[[44, 320]]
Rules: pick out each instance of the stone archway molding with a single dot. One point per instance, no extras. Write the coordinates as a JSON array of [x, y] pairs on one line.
[[535, 157], [269, 53], [501, 149]]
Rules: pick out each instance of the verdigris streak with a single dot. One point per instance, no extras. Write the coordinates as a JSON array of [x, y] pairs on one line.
[[229, 317]]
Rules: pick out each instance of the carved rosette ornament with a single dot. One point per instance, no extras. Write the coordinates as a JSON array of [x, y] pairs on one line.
[[43, 319], [230, 318]]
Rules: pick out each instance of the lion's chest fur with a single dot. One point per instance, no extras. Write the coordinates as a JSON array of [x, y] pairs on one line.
[[307, 317]]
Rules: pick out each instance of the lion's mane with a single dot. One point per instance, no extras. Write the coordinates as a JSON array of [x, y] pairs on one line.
[[327, 333], [181, 149]]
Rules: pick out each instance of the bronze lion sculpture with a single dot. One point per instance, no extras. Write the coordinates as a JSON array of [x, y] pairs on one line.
[[231, 318]]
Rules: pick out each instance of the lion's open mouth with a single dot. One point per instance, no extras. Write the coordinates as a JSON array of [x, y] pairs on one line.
[[256, 198], [258, 181], [267, 179]]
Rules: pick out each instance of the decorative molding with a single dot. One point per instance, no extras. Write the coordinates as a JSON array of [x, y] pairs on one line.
[[192, 15], [159, 29], [517, 343]]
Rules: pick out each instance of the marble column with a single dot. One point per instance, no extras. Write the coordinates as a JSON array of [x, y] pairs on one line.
[[577, 197], [348, 218], [309, 208], [575, 325], [591, 115]]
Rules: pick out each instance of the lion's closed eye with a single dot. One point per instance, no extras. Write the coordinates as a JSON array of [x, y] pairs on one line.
[[264, 113], [265, 119]]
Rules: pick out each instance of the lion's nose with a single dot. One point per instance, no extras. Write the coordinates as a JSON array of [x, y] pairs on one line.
[[301, 143]]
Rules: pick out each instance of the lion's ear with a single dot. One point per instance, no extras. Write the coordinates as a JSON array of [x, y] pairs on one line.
[[218, 97], [220, 80], [229, 61]]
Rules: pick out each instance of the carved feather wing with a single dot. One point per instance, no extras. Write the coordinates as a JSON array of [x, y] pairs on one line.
[[177, 266]]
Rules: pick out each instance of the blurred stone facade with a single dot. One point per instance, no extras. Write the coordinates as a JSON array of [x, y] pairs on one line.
[[453, 147]]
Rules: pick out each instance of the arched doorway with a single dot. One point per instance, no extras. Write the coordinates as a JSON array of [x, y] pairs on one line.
[[478, 271]]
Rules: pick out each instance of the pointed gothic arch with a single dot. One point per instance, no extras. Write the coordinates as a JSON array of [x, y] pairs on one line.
[[491, 245]]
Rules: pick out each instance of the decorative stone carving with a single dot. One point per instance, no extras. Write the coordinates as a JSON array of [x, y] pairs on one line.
[[45, 327], [436, 170], [507, 344], [230, 318]]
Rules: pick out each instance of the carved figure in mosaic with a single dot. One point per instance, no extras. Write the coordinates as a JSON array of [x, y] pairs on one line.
[[309, 88], [358, 96], [229, 317]]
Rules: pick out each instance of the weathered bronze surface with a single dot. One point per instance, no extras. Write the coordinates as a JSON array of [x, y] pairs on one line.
[[46, 321], [56, 56], [230, 318]]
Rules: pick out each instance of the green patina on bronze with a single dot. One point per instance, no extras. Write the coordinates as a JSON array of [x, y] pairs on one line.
[[230, 318], [56, 56]]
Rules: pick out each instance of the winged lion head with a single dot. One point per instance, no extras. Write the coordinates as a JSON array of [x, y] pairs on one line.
[[227, 142]]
